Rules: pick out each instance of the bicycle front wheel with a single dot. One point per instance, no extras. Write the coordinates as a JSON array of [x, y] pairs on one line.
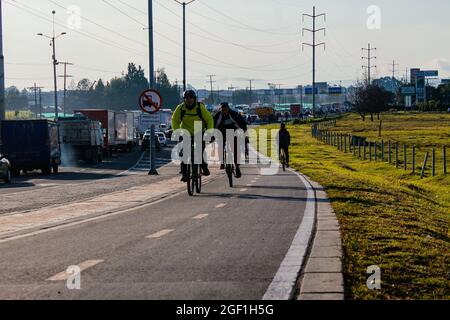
[[198, 184], [190, 181]]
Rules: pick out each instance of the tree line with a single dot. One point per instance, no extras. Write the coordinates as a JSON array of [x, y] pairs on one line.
[[121, 93], [372, 99]]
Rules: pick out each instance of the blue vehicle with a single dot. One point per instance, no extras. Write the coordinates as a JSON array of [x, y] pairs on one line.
[[31, 145]]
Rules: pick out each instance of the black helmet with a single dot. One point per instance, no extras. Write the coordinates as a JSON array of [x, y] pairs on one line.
[[225, 105], [189, 94]]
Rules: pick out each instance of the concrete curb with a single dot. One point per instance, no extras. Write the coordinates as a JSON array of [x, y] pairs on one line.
[[322, 277]]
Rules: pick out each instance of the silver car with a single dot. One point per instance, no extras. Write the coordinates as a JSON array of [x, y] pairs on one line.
[[5, 169]]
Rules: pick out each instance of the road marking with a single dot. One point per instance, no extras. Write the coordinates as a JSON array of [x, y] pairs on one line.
[[283, 285], [249, 185], [243, 190], [200, 216], [160, 234], [221, 205], [63, 276]]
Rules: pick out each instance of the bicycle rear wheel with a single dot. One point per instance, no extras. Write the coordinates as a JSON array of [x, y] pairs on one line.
[[230, 174], [283, 159]]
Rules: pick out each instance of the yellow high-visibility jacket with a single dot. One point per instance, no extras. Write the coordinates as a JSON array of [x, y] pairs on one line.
[[183, 118]]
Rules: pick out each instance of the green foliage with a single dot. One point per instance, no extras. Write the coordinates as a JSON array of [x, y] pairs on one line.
[[121, 93], [372, 99], [15, 100]]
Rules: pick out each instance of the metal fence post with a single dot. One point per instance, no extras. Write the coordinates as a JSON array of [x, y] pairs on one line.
[[414, 159], [396, 155], [404, 157], [382, 150], [433, 162], [424, 165], [389, 152], [365, 151], [444, 158], [359, 149]]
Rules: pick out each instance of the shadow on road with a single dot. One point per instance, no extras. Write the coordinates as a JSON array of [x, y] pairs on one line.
[[17, 185], [255, 197]]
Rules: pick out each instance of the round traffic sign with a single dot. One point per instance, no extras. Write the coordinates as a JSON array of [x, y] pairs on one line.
[[150, 101]]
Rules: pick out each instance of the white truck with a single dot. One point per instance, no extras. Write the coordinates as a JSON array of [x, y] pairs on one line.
[[81, 139], [124, 130]]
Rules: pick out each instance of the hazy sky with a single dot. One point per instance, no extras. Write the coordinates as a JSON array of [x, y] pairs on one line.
[[235, 40]]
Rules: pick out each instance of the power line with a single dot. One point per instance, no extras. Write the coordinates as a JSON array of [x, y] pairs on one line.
[[101, 26], [248, 27], [124, 13], [92, 36]]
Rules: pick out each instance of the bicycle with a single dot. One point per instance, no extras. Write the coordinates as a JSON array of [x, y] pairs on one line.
[[229, 168], [283, 158], [194, 176]]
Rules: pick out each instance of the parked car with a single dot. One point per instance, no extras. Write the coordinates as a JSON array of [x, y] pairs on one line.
[[5, 169], [162, 138], [146, 142]]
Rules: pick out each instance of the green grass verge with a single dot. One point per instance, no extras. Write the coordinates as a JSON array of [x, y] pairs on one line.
[[388, 217]]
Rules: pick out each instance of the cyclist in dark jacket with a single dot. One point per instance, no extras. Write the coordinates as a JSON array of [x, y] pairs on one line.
[[228, 119], [284, 141]]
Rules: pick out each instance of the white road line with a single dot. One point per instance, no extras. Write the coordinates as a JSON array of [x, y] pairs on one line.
[[62, 276], [243, 190], [160, 234], [249, 185], [221, 205], [284, 283], [200, 216]]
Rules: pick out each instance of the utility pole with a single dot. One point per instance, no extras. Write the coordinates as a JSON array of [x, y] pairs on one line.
[[40, 102], [369, 59], [251, 92], [2, 69], [393, 69], [152, 148], [184, 4], [150, 43], [211, 82], [65, 76], [35, 88], [314, 45], [55, 61]]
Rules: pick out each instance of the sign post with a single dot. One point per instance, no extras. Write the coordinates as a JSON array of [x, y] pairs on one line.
[[151, 102]]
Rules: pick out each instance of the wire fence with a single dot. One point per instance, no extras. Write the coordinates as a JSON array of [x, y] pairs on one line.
[[412, 158]]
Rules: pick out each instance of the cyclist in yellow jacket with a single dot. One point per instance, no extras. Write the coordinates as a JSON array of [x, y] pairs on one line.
[[185, 116]]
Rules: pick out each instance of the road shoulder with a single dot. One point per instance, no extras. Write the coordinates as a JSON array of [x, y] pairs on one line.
[[322, 277]]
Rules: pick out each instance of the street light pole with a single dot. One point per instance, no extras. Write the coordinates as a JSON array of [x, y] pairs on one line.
[[55, 61], [184, 4]]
